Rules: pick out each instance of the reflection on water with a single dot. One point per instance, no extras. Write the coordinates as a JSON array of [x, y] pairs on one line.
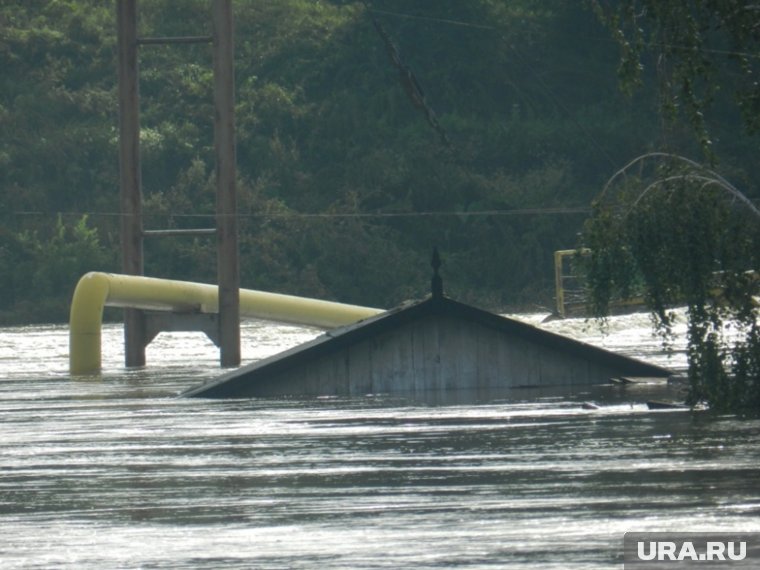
[[119, 473]]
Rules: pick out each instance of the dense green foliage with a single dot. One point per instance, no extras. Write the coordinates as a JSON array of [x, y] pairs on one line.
[[704, 54], [344, 187], [675, 229], [683, 236]]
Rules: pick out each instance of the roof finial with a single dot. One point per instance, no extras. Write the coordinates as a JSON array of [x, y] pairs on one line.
[[436, 283]]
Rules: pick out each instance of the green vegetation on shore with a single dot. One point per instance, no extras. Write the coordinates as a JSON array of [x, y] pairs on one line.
[[344, 185]]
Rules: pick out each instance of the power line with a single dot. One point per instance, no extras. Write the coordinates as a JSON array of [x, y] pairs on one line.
[[649, 44], [434, 19], [554, 211], [409, 81]]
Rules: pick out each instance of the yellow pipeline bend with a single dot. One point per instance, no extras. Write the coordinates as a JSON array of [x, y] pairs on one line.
[[85, 323], [96, 290]]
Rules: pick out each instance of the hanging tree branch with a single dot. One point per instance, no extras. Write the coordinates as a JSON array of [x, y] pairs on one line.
[[685, 246], [705, 174]]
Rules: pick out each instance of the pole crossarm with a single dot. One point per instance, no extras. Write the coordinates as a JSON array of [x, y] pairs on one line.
[[179, 232], [175, 40]]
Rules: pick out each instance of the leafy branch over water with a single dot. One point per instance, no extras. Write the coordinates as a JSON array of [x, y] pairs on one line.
[[690, 238]]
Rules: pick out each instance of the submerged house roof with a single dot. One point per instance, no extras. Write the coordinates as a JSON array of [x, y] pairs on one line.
[[433, 344]]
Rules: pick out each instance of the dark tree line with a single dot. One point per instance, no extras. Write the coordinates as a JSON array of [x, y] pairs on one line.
[[345, 185]]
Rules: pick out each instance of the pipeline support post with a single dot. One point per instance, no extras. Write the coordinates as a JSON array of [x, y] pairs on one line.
[[130, 187], [228, 267]]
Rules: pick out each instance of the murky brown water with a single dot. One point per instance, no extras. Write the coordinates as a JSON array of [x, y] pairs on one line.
[[119, 473]]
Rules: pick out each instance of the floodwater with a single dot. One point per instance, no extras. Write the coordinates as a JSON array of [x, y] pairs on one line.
[[118, 472]]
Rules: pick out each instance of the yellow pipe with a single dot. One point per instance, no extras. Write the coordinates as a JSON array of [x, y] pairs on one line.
[[97, 290]]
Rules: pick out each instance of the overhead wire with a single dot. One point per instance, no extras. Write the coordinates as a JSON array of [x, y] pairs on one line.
[[409, 81], [568, 210], [434, 19], [650, 44]]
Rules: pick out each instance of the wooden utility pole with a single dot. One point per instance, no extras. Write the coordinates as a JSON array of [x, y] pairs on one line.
[[129, 165], [228, 266], [139, 327]]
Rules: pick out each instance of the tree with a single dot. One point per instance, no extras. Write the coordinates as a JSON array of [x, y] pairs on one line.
[[681, 230], [41, 269], [698, 50], [671, 225], [692, 239], [331, 152]]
